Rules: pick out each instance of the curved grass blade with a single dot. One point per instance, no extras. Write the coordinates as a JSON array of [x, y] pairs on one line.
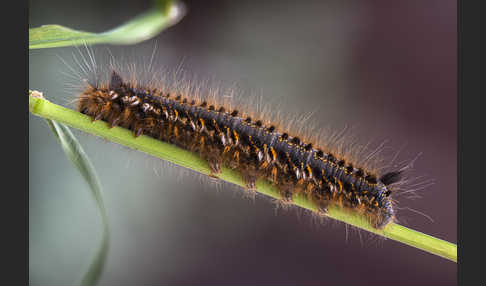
[[74, 151], [164, 14]]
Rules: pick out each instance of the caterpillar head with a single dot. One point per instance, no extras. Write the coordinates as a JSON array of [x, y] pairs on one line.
[[391, 178], [116, 81]]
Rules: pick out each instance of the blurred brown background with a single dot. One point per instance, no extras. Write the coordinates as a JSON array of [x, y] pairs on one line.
[[386, 68]]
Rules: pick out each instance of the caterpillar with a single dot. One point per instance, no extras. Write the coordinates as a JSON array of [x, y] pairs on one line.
[[224, 137]]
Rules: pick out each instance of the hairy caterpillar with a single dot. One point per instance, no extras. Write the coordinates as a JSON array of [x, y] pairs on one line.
[[223, 136]]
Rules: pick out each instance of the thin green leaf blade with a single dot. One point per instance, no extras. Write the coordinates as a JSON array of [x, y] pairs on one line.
[[74, 151], [47, 36], [163, 15]]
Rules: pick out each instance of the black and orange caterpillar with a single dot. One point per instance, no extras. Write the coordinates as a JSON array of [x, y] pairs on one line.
[[224, 137]]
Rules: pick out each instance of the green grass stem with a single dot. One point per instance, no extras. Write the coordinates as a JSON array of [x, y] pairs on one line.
[[43, 108]]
